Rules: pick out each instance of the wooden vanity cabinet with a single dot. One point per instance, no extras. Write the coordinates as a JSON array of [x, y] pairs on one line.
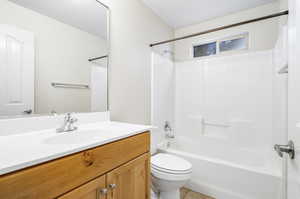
[[130, 181], [96, 189], [118, 170]]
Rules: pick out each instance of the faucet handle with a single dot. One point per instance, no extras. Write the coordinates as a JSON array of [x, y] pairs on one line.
[[167, 126], [68, 116], [73, 120]]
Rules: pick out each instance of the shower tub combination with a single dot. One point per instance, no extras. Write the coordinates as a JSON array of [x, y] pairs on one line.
[[225, 172], [227, 136], [226, 113]]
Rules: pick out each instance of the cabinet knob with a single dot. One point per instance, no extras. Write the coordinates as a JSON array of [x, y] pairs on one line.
[[103, 191], [112, 186], [88, 158]]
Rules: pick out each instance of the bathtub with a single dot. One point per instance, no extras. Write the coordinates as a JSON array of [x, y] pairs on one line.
[[228, 173]]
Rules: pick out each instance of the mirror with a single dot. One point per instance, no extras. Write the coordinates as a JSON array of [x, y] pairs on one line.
[[53, 57]]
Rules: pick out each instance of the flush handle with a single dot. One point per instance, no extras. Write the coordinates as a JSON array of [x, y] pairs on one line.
[[28, 112], [289, 149]]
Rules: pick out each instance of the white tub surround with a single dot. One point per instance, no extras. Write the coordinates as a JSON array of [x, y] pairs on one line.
[[20, 150], [229, 111]]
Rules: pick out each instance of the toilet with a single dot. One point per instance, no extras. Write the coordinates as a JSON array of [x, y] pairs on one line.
[[169, 173]]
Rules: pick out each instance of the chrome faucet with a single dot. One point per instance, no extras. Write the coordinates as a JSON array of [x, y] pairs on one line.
[[68, 124]]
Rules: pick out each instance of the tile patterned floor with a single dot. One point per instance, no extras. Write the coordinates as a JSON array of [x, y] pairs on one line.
[[189, 194]]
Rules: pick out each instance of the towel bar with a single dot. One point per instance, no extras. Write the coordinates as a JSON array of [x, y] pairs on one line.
[[73, 86]]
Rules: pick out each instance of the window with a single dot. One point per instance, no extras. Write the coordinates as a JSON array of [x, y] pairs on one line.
[[205, 49], [233, 43]]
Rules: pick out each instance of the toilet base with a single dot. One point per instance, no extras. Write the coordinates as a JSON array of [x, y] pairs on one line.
[[154, 195], [174, 194]]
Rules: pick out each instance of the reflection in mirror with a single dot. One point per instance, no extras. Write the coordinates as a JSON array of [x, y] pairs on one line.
[[53, 56]]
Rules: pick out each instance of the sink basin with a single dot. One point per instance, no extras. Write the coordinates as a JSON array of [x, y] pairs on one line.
[[78, 137]]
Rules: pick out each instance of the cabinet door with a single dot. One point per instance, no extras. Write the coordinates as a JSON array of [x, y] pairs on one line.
[[92, 190], [130, 181]]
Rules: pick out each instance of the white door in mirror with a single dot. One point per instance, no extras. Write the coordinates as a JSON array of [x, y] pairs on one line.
[[98, 87], [16, 71]]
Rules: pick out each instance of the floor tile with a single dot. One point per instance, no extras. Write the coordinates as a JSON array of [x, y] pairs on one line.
[[189, 194]]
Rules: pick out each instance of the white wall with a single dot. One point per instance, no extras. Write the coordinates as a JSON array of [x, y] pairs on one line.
[[262, 35], [134, 27], [62, 53]]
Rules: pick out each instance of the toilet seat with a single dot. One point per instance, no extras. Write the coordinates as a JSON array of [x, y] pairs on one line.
[[170, 171], [170, 164], [170, 176]]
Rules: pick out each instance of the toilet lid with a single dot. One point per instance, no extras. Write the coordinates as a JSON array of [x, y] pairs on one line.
[[170, 163]]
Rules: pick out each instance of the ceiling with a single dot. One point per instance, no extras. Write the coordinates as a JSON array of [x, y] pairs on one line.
[[87, 15], [180, 13]]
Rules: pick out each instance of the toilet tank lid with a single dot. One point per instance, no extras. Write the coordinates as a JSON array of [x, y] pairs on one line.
[[170, 162]]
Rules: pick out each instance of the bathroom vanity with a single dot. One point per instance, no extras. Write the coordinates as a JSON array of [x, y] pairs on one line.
[[108, 160]]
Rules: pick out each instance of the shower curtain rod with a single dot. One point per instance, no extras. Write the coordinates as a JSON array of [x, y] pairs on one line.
[[223, 27], [96, 58]]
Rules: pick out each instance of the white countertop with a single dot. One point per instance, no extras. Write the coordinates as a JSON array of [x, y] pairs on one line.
[[24, 150]]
